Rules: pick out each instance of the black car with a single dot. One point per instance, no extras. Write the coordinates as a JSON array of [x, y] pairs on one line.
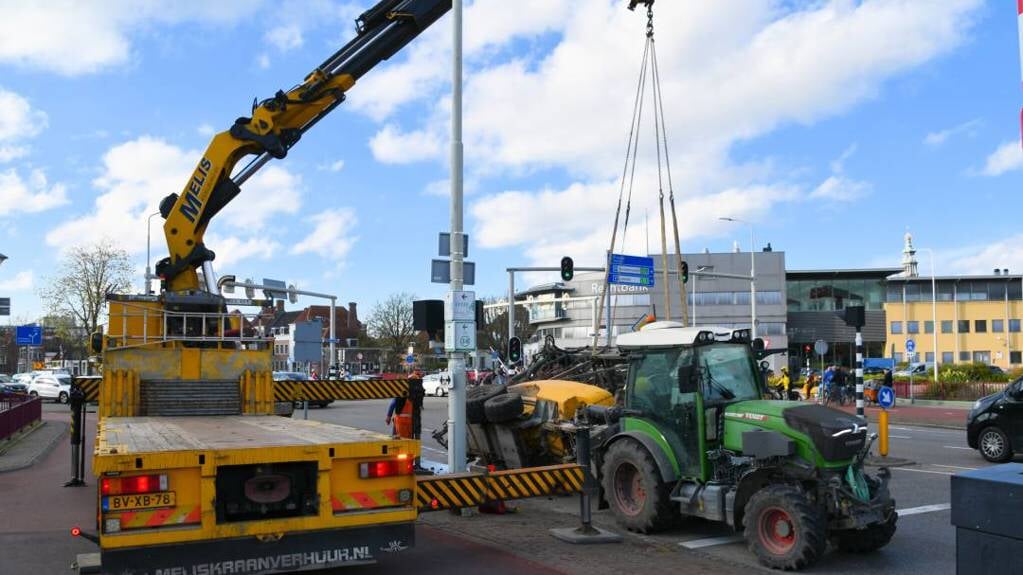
[[995, 424]]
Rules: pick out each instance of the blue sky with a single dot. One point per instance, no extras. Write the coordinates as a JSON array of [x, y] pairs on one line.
[[832, 126]]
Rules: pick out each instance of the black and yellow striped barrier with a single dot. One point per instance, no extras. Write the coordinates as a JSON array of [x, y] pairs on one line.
[[473, 489], [90, 386], [341, 389]]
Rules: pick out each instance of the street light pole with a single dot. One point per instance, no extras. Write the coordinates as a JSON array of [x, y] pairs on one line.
[[752, 274], [934, 320], [456, 359], [149, 272]]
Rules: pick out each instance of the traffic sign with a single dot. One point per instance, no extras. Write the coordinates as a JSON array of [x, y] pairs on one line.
[[886, 397], [631, 270], [820, 346], [910, 345], [410, 359], [29, 335], [460, 336], [460, 306]]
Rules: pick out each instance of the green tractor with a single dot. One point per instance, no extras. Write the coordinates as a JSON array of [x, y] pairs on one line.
[[694, 437]]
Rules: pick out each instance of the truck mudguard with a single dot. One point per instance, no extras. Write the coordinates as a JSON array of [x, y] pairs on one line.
[[668, 473]]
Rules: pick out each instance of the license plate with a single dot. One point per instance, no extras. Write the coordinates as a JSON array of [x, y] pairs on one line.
[[141, 501]]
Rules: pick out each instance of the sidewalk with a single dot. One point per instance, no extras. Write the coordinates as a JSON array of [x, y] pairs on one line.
[[948, 416], [33, 446]]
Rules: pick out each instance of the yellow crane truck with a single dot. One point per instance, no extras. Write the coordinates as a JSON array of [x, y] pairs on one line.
[[195, 474]]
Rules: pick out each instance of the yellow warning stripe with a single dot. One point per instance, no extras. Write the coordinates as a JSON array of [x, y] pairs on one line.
[[158, 517], [357, 500], [472, 489], [90, 387], [341, 389]]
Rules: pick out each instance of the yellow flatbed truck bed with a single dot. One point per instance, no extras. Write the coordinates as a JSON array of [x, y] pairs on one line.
[[248, 494]]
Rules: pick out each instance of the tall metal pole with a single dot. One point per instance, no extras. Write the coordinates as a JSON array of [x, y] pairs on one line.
[[859, 371], [753, 283], [333, 337], [511, 304], [149, 270], [456, 360], [934, 323]]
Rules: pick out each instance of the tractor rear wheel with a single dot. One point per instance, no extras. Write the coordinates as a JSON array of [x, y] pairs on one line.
[[632, 485], [783, 529]]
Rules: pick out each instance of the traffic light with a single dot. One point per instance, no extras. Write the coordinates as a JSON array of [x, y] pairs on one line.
[[567, 269], [685, 272], [514, 350], [806, 348]]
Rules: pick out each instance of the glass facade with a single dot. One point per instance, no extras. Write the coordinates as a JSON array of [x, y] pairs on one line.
[[733, 298], [836, 294], [955, 290]]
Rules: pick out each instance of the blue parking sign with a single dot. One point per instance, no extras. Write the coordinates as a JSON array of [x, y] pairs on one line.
[[886, 397]]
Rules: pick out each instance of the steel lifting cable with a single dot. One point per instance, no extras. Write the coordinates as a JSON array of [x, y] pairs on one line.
[[659, 113], [628, 175]]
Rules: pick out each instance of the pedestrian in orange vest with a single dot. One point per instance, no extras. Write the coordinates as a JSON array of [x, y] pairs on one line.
[[400, 413]]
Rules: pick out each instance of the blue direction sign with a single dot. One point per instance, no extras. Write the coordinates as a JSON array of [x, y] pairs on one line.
[[910, 345], [410, 359], [886, 397], [29, 335], [631, 270]]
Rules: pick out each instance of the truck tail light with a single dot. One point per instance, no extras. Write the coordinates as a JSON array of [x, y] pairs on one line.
[[133, 485], [387, 468]]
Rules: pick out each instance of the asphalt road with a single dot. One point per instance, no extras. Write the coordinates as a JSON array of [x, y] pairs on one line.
[[924, 543]]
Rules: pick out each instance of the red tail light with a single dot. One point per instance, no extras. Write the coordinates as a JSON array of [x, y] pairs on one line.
[[387, 468], [132, 485]]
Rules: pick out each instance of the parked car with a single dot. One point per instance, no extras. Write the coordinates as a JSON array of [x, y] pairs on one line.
[[51, 386], [299, 376], [437, 384], [995, 423], [25, 378], [8, 385], [914, 369]]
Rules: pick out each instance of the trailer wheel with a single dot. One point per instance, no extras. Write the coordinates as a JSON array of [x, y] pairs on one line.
[[476, 399], [632, 485], [869, 539], [504, 407], [783, 529]]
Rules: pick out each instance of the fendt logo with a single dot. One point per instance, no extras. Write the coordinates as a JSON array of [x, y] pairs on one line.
[[192, 204]]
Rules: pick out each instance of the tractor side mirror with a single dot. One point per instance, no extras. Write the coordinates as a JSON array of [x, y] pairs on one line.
[[758, 345], [687, 379]]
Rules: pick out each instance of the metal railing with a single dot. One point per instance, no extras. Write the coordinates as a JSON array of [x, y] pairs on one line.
[[174, 326], [18, 411]]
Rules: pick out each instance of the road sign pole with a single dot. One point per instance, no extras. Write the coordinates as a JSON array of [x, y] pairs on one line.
[[332, 364], [456, 359], [859, 373], [511, 304]]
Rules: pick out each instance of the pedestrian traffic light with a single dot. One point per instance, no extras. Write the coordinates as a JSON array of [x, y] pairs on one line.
[[567, 269], [685, 272], [514, 350]]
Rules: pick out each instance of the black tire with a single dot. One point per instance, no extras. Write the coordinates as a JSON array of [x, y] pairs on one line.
[[993, 445], [63, 397], [476, 398], [783, 529], [33, 393], [504, 407], [867, 540], [633, 488]]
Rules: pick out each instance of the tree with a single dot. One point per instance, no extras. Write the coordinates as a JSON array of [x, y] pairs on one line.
[[86, 274], [494, 331], [390, 323]]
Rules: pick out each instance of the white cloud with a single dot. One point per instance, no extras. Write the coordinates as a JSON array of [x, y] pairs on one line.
[[838, 188], [139, 173], [18, 121], [981, 258], [332, 235], [285, 38], [31, 195], [73, 38], [935, 139], [1007, 158], [392, 146], [263, 61], [272, 192], [205, 130], [233, 249], [21, 282], [335, 166]]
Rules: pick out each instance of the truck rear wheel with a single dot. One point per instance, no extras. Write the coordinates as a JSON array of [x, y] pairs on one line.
[[476, 398], [867, 540], [632, 485], [783, 529], [504, 407]]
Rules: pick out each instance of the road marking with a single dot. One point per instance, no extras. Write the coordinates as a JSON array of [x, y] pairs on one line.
[[952, 466], [923, 471], [895, 436], [957, 447], [711, 541], [924, 509]]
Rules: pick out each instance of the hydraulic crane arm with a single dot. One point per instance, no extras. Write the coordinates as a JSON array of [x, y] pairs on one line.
[[276, 124]]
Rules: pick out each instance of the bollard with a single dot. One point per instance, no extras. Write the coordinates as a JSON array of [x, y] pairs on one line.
[[882, 427], [586, 532], [77, 403]]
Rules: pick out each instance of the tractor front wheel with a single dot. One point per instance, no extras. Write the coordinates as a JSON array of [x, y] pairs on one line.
[[632, 485], [783, 529]]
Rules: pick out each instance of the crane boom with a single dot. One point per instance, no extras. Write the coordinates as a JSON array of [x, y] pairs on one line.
[[276, 124]]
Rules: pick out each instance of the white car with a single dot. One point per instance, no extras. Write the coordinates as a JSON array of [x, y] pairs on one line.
[[437, 384], [51, 386]]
